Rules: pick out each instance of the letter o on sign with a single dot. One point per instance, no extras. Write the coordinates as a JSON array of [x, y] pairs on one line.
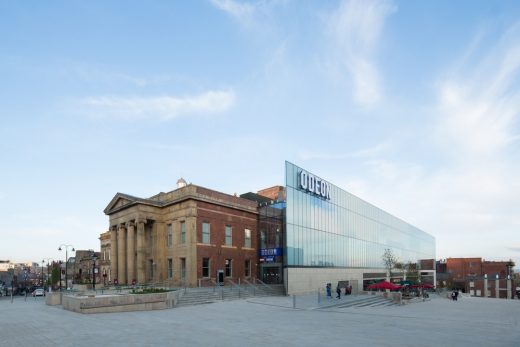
[[303, 179]]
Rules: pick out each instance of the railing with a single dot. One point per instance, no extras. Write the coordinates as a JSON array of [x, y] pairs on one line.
[[234, 286], [264, 285], [251, 286]]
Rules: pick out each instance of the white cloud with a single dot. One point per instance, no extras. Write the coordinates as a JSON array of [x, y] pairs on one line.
[[479, 105], [470, 203], [356, 27], [163, 107], [380, 149], [241, 11]]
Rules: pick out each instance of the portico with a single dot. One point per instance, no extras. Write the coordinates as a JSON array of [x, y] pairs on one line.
[[127, 253]]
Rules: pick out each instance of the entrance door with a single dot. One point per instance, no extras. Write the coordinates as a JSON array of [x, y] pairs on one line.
[[271, 274]]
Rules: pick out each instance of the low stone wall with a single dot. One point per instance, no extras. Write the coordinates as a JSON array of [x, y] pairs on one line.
[[53, 299], [119, 302]]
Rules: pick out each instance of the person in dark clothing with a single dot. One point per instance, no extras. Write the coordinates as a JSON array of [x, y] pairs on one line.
[[329, 290], [338, 291]]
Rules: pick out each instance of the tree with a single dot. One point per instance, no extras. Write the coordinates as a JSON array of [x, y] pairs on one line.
[[412, 273], [390, 261], [55, 275]]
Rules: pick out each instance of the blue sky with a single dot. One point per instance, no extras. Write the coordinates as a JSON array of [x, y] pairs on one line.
[[413, 106]]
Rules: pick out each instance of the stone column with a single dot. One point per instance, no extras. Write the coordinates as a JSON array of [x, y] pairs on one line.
[[141, 256], [497, 288], [485, 286], [113, 252], [121, 254], [130, 254], [509, 291]]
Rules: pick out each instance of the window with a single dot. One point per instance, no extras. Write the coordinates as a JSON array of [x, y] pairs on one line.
[[183, 232], [150, 268], [228, 268], [247, 268], [229, 236], [205, 267], [170, 235], [205, 233], [183, 268], [170, 268], [247, 238]]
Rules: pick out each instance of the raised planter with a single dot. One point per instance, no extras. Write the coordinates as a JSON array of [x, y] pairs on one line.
[[53, 299], [119, 302]]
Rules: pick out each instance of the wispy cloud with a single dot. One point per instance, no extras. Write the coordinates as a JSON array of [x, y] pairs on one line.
[[474, 194], [378, 150], [479, 104], [238, 10], [356, 27], [162, 107]]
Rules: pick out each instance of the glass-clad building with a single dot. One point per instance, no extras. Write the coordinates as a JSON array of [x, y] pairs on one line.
[[332, 235]]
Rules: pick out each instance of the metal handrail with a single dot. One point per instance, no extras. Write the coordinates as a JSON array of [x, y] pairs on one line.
[[234, 285], [251, 286], [264, 284]]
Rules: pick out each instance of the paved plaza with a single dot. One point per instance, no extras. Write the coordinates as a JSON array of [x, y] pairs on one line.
[[269, 321]]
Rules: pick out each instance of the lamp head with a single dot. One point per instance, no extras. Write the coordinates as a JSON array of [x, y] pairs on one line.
[[59, 249]]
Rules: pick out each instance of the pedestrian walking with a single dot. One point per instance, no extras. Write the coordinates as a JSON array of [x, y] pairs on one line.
[[338, 291], [329, 291]]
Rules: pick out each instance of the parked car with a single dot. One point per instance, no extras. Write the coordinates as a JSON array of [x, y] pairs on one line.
[[38, 292]]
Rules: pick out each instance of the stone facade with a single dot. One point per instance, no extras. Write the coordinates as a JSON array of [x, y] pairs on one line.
[[83, 265], [161, 239], [104, 259]]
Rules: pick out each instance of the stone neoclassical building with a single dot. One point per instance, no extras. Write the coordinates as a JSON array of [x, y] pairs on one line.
[[190, 236]]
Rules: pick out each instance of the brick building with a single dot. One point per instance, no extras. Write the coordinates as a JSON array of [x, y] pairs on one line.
[[190, 236], [82, 266], [304, 234], [470, 275]]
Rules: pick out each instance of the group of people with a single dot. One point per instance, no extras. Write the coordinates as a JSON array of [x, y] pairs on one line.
[[454, 295], [328, 288]]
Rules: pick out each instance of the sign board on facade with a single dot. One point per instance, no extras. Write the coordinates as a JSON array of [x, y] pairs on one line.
[[314, 185], [270, 252]]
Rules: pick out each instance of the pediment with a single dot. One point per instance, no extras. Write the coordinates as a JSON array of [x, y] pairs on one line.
[[119, 201]]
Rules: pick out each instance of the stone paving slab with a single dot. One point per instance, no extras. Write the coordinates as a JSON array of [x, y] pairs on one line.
[[268, 321]]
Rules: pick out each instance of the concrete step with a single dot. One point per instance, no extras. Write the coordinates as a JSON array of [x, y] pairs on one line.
[[196, 296]]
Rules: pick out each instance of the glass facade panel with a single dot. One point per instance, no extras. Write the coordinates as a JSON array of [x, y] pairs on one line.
[[341, 230]]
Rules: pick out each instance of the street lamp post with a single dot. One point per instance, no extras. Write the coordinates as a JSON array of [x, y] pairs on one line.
[[48, 261], [93, 271], [43, 283], [66, 262]]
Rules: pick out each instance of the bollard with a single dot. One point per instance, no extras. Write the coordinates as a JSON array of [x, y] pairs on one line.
[[294, 301], [319, 297], [11, 296], [26, 296]]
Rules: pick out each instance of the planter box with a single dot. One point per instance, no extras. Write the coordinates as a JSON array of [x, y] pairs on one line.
[[119, 302]]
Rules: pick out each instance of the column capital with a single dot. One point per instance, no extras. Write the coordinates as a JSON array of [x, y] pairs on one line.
[[122, 225], [130, 224], [113, 228], [140, 220]]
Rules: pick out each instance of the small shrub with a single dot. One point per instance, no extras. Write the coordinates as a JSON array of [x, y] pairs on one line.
[[149, 291]]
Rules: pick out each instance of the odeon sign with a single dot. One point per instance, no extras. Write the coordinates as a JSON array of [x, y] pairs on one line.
[[314, 185]]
